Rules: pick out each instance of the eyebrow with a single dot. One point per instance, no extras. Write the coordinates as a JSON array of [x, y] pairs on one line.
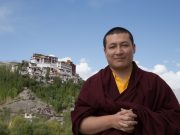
[[123, 42]]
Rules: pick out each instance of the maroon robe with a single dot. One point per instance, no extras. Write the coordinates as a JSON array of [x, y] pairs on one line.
[[147, 94]]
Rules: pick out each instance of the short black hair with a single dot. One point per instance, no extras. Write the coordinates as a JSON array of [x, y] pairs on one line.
[[117, 30]]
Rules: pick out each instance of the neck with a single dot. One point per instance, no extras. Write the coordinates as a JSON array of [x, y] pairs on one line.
[[123, 73]]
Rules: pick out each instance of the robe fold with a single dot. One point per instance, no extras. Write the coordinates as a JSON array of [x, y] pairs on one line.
[[147, 94]]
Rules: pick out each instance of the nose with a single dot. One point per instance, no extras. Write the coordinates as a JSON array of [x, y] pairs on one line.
[[119, 50]]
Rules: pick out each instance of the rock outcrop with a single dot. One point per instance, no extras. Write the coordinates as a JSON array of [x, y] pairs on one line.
[[27, 103]]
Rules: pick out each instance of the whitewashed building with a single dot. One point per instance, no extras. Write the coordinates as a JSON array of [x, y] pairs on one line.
[[40, 64]]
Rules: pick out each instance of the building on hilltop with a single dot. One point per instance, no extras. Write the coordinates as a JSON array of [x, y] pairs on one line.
[[65, 70], [44, 60], [43, 67]]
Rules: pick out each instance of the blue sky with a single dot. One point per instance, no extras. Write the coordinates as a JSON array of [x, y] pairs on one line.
[[75, 28]]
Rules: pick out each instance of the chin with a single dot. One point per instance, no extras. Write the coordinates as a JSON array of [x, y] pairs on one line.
[[121, 66]]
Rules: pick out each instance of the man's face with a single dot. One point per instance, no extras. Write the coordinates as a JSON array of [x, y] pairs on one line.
[[119, 51]]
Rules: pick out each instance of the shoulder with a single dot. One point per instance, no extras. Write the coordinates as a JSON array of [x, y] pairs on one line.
[[142, 74], [92, 87], [153, 80]]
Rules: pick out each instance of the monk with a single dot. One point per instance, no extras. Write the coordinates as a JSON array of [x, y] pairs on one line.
[[123, 99]]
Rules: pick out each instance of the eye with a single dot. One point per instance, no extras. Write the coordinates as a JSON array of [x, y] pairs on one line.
[[112, 46], [125, 45]]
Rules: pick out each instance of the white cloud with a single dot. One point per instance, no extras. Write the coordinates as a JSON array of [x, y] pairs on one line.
[[178, 73], [159, 69], [83, 69]]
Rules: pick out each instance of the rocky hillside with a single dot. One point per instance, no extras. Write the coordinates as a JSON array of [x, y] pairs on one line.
[[27, 103]]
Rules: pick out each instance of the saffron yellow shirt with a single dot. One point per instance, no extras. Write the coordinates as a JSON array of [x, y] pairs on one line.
[[122, 85]]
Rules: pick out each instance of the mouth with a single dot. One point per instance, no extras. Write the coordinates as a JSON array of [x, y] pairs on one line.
[[119, 59]]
